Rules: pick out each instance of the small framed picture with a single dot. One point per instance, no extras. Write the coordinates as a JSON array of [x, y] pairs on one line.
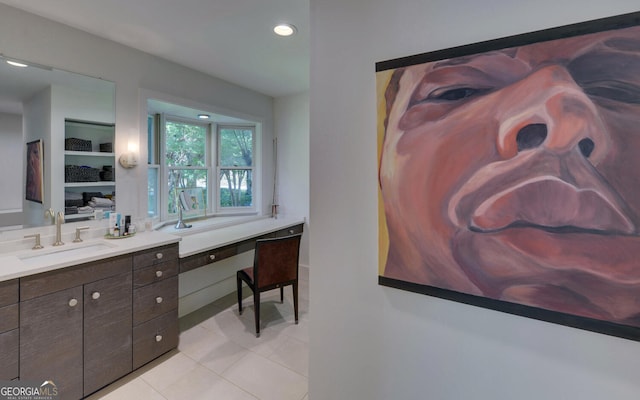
[[34, 182]]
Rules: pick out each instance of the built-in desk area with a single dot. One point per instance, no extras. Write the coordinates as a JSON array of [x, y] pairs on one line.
[[206, 247]]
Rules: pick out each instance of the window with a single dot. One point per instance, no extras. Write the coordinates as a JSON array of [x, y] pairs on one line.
[[235, 167], [205, 168], [153, 161]]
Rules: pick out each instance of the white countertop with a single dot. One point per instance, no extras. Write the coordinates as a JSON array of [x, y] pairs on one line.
[[29, 262], [198, 240], [203, 236]]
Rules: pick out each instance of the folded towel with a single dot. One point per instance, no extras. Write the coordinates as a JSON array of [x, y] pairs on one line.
[[101, 201], [70, 210], [85, 210], [100, 206], [72, 196]]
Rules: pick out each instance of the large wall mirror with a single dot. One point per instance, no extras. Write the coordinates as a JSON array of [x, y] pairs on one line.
[[35, 102]]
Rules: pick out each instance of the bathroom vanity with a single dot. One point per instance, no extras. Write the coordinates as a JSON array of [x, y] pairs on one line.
[[84, 315], [83, 324]]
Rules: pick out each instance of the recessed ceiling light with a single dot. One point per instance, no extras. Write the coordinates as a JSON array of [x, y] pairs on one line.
[[284, 29], [16, 64], [203, 116]]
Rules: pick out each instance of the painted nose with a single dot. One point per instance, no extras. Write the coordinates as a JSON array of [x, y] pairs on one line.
[[549, 110], [533, 135]]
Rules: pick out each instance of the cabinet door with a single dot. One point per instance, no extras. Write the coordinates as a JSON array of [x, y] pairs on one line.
[[107, 331], [9, 355], [51, 341], [9, 321]]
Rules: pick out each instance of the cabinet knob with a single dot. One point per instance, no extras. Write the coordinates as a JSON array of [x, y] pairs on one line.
[[291, 231], [212, 256], [73, 302], [159, 274], [159, 256], [95, 295], [158, 299], [158, 338]]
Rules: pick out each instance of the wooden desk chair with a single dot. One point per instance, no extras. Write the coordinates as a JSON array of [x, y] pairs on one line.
[[275, 265]]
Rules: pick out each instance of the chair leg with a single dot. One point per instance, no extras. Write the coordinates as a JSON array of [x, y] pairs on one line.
[[256, 308], [281, 294], [239, 282], [295, 300]]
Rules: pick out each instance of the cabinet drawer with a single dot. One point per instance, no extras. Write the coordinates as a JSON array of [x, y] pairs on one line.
[[8, 292], [292, 230], [155, 256], [155, 273], [207, 257], [154, 338], [9, 355], [50, 282], [9, 317], [156, 299]]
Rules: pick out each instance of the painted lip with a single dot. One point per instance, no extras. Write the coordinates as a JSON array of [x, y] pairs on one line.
[[550, 203], [544, 191]]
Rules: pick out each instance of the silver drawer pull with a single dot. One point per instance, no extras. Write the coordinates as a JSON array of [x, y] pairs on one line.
[[212, 256], [291, 231], [159, 274], [95, 295], [158, 299], [159, 256], [73, 302], [158, 338]]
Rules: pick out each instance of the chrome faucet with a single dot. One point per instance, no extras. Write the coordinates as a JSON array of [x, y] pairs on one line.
[[59, 222]]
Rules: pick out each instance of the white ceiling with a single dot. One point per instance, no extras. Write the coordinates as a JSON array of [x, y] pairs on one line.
[[230, 39]]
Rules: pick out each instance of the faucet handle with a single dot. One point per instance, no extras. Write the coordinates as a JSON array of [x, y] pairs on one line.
[[37, 246], [78, 239]]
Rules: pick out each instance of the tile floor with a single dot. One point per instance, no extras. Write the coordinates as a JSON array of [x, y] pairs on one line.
[[219, 356]]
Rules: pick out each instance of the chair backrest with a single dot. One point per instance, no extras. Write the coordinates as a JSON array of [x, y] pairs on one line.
[[276, 260]]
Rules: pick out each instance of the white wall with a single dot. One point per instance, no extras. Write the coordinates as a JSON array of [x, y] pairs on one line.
[[292, 132], [373, 342], [36, 118], [11, 149]]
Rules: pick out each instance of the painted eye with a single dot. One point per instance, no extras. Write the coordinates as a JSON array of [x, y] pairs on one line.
[[455, 94], [613, 90]]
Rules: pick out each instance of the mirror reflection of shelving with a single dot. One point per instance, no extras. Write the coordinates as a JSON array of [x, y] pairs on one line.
[[89, 167]]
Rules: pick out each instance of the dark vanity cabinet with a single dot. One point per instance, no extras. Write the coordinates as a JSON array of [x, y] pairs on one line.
[[75, 326], [51, 340], [86, 326], [9, 332], [107, 331], [155, 303]]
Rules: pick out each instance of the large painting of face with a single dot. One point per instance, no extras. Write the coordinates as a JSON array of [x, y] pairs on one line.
[[513, 175]]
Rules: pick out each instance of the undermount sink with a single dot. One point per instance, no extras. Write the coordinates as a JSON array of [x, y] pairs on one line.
[[64, 253]]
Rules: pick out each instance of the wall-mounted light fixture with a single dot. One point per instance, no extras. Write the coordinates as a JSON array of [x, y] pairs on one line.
[[130, 158]]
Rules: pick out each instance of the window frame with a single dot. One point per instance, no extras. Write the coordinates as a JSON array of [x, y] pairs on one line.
[[165, 169], [212, 158], [254, 170]]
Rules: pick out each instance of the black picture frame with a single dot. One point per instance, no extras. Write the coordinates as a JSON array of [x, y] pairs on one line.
[[34, 183], [629, 329]]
